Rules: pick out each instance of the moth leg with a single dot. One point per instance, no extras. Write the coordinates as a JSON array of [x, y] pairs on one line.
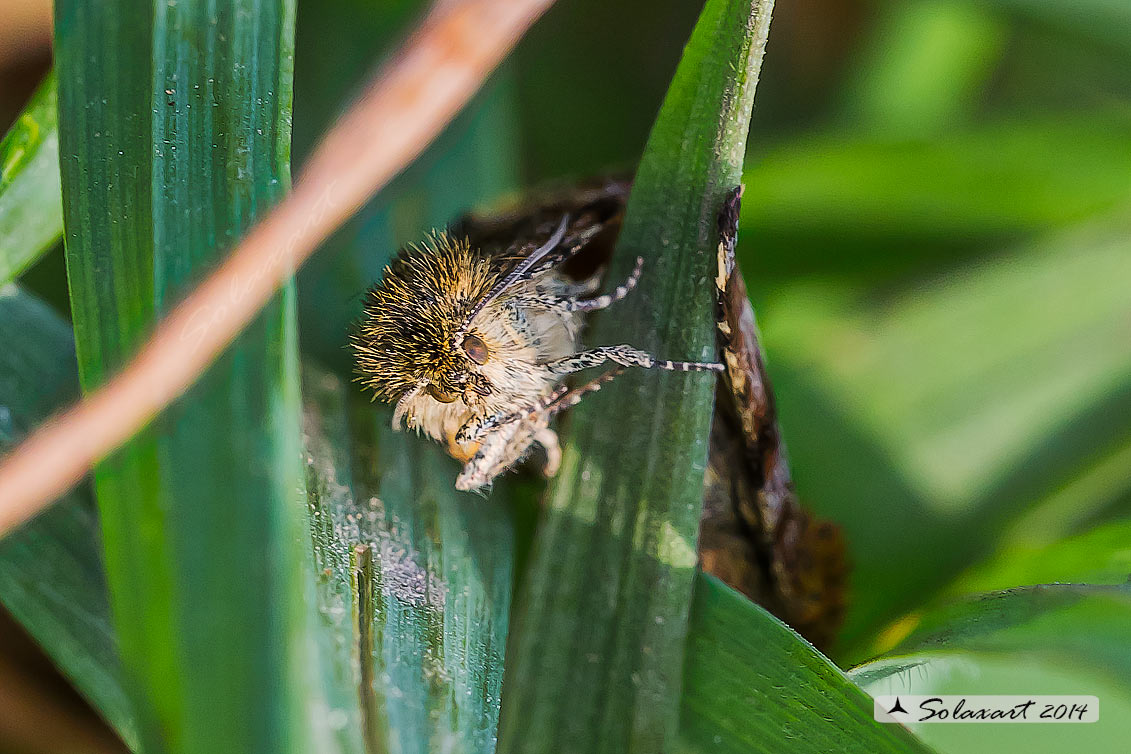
[[492, 457], [573, 397], [476, 427], [576, 304], [548, 439], [486, 464], [557, 401], [601, 302], [625, 355]]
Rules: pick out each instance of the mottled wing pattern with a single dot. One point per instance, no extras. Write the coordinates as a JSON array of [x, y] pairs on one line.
[[755, 534]]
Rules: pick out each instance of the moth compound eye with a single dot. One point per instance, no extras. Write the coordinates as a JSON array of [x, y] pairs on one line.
[[475, 349], [440, 395]]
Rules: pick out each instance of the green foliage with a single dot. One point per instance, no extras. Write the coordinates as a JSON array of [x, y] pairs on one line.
[[617, 542], [752, 685], [934, 233], [51, 576], [952, 452], [175, 131], [1053, 639], [31, 219]]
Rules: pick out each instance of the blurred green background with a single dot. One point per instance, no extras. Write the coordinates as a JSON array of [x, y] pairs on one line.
[[935, 236]]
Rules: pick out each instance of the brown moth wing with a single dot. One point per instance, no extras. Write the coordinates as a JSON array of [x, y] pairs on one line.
[[755, 535], [510, 233]]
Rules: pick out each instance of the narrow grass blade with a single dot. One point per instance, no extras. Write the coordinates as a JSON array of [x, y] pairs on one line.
[[1011, 620], [1105, 21], [753, 685], [602, 619], [1099, 556], [439, 570], [51, 577], [31, 217], [921, 68], [175, 130], [437, 563]]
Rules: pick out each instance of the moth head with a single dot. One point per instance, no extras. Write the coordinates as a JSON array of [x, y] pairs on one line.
[[417, 333], [406, 342], [457, 378]]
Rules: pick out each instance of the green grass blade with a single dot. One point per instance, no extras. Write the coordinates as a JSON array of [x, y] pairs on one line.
[[921, 67], [1012, 619], [31, 217], [51, 577], [1051, 639], [751, 684], [175, 131], [1099, 556], [1105, 21], [423, 573], [603, 616], [428, 595]]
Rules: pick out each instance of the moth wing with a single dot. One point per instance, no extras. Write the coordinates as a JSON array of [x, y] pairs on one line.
[[509, 234]]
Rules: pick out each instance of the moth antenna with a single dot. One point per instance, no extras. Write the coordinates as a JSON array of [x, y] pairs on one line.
[[402, 404], [514, 276]]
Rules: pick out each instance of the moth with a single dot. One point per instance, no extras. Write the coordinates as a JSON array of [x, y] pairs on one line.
[[443, 307], [473, 333]]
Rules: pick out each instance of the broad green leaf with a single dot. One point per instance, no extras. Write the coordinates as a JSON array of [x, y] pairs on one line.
[[51, 577], [1053, 639], [751, 684], [175, 133], [603, 613], [31, 219], [926, 417]]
